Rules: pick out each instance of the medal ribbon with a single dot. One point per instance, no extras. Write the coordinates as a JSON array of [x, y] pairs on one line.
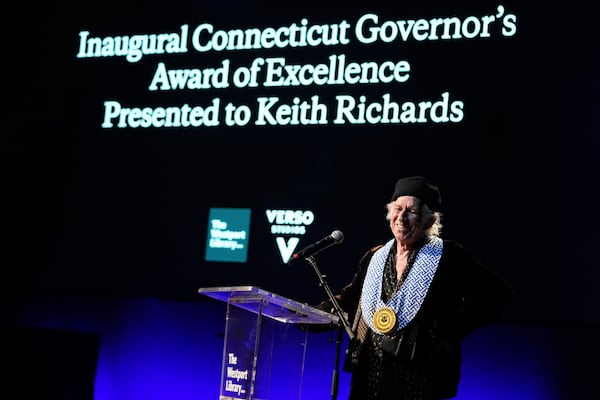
[[408, 299]]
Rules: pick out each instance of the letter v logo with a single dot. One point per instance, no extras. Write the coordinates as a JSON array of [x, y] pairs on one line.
[[286, 249]]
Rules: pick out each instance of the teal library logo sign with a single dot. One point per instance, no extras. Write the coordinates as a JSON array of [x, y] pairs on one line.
[[228, 234]]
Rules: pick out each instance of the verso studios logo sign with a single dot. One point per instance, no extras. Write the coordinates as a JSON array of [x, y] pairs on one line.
[[287, 226]]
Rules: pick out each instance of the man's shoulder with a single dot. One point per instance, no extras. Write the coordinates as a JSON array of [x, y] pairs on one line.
[[369, 253], [456, 249]]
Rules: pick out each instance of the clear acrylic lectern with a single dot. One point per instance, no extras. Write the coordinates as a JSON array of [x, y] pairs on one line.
[[264, 350]]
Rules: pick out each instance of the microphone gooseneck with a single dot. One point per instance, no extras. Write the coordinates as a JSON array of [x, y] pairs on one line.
[[335, 237]]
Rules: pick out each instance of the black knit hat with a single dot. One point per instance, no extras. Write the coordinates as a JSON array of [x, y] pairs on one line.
[[420, 187]]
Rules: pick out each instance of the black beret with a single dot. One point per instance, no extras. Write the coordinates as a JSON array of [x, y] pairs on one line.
[[418, 186]]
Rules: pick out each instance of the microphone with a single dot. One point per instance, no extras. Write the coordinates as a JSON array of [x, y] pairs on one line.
[[312, 249]]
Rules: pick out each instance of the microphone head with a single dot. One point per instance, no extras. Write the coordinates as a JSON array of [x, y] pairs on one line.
[[337, 236]]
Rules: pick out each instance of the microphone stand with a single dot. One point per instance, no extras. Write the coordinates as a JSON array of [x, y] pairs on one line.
[[343, 323]]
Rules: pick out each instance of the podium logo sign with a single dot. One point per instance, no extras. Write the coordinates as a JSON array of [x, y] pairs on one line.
[[236, 380], [228, 234], [288, 222]]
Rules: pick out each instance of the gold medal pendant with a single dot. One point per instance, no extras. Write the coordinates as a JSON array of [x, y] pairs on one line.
[[384, 319]]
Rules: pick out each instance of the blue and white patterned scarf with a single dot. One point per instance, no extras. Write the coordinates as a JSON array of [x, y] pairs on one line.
[[408, 299]]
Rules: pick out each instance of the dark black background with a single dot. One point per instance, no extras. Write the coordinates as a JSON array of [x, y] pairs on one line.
[[124, 211]]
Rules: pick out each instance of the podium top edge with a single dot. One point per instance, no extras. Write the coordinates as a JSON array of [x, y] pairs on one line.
[[268, 304], [223, 289]]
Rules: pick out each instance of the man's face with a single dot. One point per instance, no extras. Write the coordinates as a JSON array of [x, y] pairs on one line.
[[406, 221]]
